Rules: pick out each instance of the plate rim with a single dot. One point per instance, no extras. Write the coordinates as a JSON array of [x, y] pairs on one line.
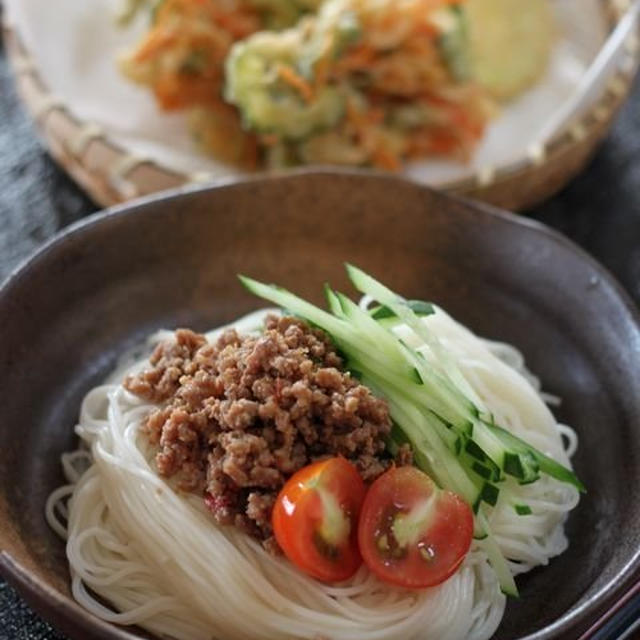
[[127, 175]]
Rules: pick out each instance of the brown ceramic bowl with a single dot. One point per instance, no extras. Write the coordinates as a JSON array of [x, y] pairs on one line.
[[104, 284]]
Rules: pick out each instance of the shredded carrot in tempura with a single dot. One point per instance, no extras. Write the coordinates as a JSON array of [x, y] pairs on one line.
[[383, 159], [384, 59], [295, 80], [182, 57]]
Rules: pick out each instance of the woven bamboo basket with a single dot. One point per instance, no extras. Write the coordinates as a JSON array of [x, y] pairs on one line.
[[110, 174]]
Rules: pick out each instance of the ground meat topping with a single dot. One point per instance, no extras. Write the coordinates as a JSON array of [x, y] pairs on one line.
[[238, 417]]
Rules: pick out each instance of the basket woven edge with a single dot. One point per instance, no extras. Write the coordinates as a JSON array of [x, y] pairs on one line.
[[111, 174]]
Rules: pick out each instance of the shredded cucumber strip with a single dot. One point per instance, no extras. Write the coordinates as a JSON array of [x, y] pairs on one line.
[[452, 436], [368, 285]]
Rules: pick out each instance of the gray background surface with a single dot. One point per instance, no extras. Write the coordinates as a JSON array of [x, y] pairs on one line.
[[600, 210]]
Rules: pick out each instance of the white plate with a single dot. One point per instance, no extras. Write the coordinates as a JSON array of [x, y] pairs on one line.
[[74, 44]]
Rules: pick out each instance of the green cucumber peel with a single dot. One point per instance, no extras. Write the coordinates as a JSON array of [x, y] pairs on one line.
[[296, 305], [368, 285], [481, 470], [545, 463], [453, 438], [379, 341], [419, 307]]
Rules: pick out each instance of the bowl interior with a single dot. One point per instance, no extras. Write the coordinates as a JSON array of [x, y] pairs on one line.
[[104, 286]]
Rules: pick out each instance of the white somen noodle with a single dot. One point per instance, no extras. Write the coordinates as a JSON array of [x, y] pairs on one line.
[[143, 553]]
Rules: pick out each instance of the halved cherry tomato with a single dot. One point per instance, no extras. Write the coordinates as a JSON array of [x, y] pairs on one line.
[[315, 519], [411, 533]]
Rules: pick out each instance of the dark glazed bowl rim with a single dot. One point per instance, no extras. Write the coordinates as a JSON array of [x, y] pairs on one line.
[[63, 609]]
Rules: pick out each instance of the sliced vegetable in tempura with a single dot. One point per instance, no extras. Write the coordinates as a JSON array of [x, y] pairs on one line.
[[511, 42], [353, 82]]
